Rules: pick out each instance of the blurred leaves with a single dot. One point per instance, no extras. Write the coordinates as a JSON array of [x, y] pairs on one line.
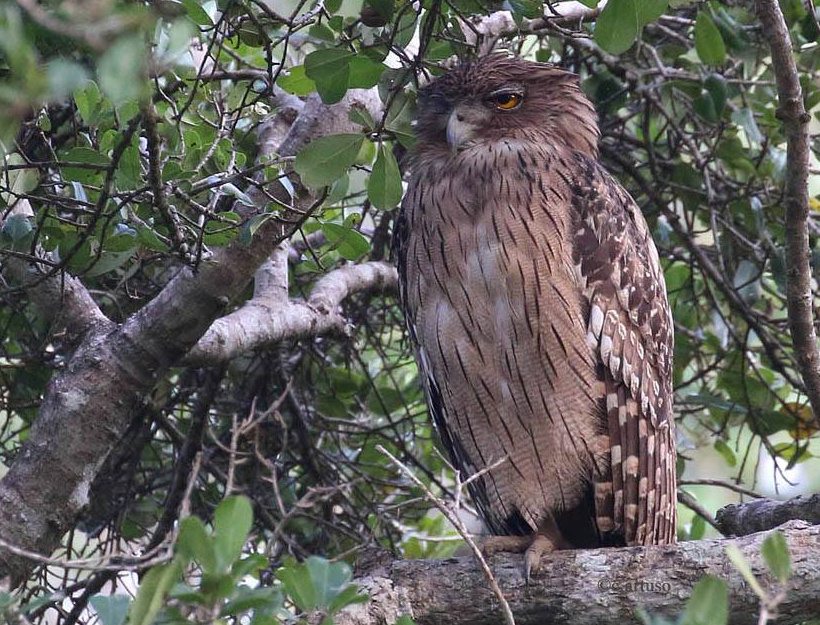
[[709, 603], [319, 584]]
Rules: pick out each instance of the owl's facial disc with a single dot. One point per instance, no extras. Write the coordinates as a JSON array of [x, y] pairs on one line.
[[469, 117], [464, 122]]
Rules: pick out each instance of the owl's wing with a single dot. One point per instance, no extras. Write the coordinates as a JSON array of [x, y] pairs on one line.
[[630, 329]]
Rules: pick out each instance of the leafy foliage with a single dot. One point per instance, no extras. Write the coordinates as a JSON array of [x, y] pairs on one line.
[[687, 107]]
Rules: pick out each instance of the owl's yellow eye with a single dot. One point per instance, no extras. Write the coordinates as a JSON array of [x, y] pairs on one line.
[[507, 100]]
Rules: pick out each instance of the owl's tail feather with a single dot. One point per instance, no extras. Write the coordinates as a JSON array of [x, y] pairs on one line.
[[642, 481]]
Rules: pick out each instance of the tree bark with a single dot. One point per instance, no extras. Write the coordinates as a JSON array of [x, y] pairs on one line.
[[792, 112], [588, 587], [764, 514], [89, 405]]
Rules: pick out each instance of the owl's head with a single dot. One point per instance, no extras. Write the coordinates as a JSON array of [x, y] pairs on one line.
[[498, 97]]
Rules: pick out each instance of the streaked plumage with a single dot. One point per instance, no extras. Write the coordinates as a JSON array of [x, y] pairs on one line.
[[536, 301]]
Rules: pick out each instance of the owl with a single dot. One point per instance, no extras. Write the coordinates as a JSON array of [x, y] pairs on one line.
[[536, 303]]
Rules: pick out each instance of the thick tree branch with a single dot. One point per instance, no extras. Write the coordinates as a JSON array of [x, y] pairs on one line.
[[764, 514], [792, 113], [89, 405], [587, 587], [262, 321]]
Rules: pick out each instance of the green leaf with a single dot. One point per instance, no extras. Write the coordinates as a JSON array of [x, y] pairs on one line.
[[329, 579], [326, 159], [150, 239], [196, 13], [617, 26], [250, 227], [249, 565], [346, 597], [196, 544], [742, 566], [360, 115], [109, 261], [111, 610], [329, 68], [775, 552], [233, 520], [87, 155], [364, 73], [698, 528], [708, 40], [318, 583], [718, 90], [400, 118], [121, 69], [650, 10], [129, 175], [16, 181], [348, 242], [81, 174], [705, 107], [298, 585], [530, 9], [296, 81], [245, 599], [384, 186], [726, 453], [405, 29], [709, 603], [152, 592]]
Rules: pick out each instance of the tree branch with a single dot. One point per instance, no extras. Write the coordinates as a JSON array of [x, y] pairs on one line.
[[89, 405], [792, 113], [262, 321], [587, 587], [764, 514]]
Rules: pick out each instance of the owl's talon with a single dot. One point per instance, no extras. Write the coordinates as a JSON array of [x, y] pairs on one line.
[[532, 556], [532, 546]]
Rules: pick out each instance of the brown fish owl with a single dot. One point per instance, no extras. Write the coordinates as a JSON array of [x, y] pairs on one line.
[[537, 304]]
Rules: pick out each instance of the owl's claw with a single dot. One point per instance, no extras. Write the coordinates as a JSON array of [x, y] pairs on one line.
[[532, 546], [532, 556]]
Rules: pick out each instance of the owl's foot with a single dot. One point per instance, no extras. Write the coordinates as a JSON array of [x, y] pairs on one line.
[[509, 544], [532, 556], [532, 546]]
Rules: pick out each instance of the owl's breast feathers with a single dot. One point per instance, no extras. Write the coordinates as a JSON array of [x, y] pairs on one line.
[[535, 298]]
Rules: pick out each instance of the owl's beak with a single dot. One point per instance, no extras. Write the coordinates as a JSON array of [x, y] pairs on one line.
[[459, 130]]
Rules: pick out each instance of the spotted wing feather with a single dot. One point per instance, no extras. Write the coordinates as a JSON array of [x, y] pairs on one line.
[[630, 330]]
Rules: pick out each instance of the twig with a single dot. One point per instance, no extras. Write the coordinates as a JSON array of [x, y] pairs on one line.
[[687, 500], [169, 214], [723, 484], [458, 524]]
